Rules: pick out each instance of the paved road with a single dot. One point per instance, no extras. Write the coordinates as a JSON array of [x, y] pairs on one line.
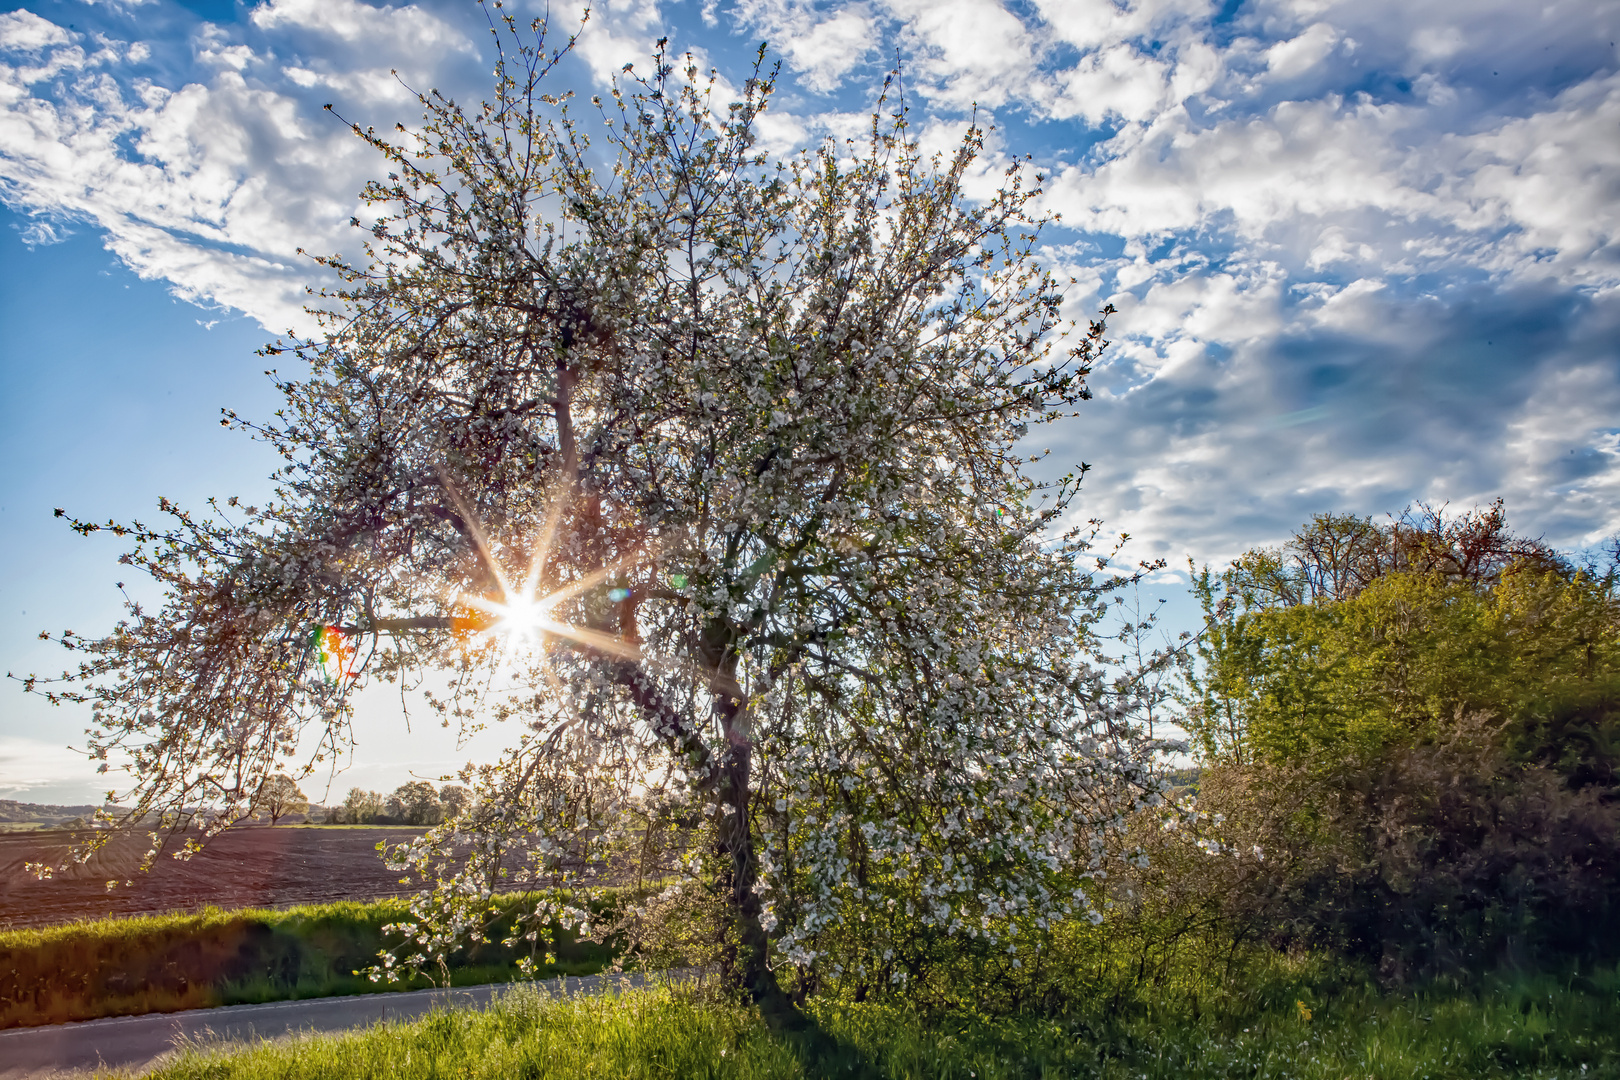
[[136, 1042]]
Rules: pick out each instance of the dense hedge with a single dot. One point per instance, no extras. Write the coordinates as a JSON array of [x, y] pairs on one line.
[[1411, 741], [118, 967]]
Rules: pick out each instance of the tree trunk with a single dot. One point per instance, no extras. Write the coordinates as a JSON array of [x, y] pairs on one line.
[[747, 955], [746, 958]]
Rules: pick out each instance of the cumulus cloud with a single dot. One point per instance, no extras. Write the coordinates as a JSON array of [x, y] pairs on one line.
[[25, 33], [1555, 175], [406, 30], [822, 43], [211, 184], [1298, 55], [1362, 250], [620, 32], [1359, 401]]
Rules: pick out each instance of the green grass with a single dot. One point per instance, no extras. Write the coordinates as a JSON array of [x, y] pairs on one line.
[[164, 963], [1268, 1016], [324, 826], [1532, 1027]]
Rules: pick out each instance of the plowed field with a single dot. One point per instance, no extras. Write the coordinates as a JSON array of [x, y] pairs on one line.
[[252, 866]]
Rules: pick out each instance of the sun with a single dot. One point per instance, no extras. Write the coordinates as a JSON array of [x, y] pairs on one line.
[[521, 620], [523, 617]]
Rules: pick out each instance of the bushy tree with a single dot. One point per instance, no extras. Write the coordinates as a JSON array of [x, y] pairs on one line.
[[279, 796], [415, 803], [1411, 735], [362, 807], [718, 458], [1355, 637], [455, 798], [1336, 556]]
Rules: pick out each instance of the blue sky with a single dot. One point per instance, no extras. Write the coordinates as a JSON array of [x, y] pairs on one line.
[[1364, 252]]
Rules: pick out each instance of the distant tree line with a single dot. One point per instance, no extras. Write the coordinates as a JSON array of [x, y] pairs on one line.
[[414, 803]]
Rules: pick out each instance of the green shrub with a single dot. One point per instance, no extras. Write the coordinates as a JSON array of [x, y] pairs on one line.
[[1411, 737]]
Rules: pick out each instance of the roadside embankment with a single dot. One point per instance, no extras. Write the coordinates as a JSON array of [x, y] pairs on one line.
[[167, 963]]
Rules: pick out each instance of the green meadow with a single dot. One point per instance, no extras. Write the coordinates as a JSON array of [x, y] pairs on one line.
[[1298, 1019], [1252, 1012]]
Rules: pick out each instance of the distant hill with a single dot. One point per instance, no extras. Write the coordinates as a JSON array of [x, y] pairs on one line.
[[16, 815], [13, 812]]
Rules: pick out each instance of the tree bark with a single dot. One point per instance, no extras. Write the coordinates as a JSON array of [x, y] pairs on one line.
[[747, 956], [747, 953]]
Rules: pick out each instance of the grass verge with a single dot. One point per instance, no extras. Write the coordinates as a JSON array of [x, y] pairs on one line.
[[165, 963], [1531, 1027]]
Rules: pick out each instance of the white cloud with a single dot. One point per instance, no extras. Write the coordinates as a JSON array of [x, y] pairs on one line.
[[206, 161], [828, 49], [1333, 180], [25, 32], [1278, 196], [970, 51], [404, 31], [1313, 158], [212, 185], [1561, 454], [822, 45], [620, 32], [1227, 307], [1437, 42], [1297, 55], [44, 233], [1360, 401], [1100, 24], [1555, 175], [1117, 82], [1334, 247], [29, 767]]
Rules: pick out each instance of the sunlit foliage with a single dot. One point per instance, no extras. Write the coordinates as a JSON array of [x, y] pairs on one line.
[[1356, 636], [1411, 747]]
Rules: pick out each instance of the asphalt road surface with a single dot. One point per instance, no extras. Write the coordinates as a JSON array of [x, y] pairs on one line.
[[137, 1042]]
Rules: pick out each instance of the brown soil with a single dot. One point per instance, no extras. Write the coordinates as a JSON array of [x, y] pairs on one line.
[[247, 866]]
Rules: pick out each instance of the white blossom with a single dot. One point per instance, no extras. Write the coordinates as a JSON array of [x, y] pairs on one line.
[[700, 469]]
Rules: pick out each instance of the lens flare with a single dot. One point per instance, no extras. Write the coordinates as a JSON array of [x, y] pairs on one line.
[[334, 653], [518, 618], [521, 615]]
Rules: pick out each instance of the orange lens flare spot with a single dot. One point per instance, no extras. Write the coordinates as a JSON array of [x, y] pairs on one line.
[[473, 622]]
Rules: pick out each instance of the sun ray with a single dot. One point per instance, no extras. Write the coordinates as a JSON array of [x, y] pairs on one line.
[[542, 549], [524, 616], [470, 520], [521, 616]]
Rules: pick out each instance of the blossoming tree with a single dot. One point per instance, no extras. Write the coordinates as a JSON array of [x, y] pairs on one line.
[[701, 466]]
